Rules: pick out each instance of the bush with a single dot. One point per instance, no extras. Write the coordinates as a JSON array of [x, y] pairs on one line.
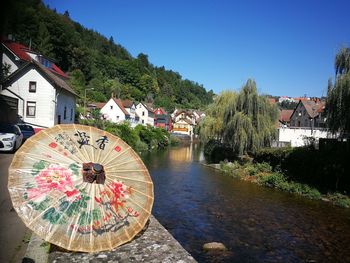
[[174, 140], [273, 156], [327, 168], [340, 200], [276, 180], [141, 146], [215, 151]]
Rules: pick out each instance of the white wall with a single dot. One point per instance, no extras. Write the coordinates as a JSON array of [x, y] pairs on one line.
[[296, 136], [111, 114], [65, 99], [44, 98], [145, 119]]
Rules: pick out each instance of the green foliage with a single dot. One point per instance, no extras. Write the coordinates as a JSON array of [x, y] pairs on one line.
[[174, 141], [273, 156], [243, 121], [97, 59], [325, 168], [124, 131], [215, 151], [141, 138], [339, 199], [338, 100], [287, 105]]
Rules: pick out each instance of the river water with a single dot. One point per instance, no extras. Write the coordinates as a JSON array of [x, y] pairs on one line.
[[198, 204]]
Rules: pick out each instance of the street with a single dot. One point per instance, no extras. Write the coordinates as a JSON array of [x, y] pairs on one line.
[[14, 235]]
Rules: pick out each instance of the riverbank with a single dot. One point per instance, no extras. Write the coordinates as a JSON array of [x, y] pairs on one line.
[[154, 244], [262, 174]]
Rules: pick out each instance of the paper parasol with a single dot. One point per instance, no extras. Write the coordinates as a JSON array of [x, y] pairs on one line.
[[80, 188]]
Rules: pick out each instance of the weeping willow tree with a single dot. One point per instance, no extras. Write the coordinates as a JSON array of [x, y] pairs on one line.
[[250, 121], [338, 97], [212, 127], [243, 121]]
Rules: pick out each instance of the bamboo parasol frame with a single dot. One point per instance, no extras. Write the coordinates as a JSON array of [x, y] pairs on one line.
[[51, 195]]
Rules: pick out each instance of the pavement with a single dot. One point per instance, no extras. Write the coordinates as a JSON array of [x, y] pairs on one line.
[[14, 236]]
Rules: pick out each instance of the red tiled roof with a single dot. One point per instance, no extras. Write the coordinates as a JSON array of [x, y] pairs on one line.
[[21, 51], [313, 108], [285, 115], [98, 105], [18, 49], [302, 99], [57, 70], [120, 105], [162, 110], [127, 103]]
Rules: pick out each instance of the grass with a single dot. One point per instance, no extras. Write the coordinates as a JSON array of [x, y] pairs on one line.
[[263, 174]]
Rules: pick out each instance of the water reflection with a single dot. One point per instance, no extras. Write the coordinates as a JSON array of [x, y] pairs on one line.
[[198, 204]]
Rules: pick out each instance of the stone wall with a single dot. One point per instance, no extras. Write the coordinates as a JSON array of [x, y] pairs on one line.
[[155, 244]]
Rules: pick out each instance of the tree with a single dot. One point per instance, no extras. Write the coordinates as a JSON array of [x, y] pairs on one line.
[[212, 127], [338, 99], [243, 121], [44, 45], [250, 121]]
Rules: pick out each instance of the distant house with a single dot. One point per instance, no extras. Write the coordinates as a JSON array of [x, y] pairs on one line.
[[145, 113], [130, 107], [199, 115], [183, 126], [183, 114], [284, 118], [35, 88], [308, 114], [114, 111], [162, 119]]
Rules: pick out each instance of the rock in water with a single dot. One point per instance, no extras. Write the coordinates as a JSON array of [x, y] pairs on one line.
[[214, 246]]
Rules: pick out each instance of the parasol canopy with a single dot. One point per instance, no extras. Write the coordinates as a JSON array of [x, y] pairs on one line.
[[80, 188]]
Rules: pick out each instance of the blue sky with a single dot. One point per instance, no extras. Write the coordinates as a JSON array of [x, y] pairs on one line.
[[288, 47]]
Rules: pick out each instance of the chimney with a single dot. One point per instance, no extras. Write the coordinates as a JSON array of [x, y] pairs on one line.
[[112, 95]]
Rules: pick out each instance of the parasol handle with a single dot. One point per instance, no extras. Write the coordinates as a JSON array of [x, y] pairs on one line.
[[93, 173]]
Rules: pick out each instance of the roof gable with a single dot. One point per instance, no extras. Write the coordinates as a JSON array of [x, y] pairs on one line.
[[56, 81], [120, 105], [127, 103], [18, 50]]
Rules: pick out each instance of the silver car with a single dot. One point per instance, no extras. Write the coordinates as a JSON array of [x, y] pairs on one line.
[[11, 137]]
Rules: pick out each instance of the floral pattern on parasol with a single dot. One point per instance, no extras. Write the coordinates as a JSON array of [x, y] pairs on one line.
[[80, 188]]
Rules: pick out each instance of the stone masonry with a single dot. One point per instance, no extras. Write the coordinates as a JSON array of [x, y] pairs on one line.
[[155, 244]]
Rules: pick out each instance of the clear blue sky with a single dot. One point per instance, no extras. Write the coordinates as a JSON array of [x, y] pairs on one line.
[[287, 46]]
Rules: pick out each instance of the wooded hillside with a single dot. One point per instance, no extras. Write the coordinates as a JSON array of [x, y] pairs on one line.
[[93, 61]]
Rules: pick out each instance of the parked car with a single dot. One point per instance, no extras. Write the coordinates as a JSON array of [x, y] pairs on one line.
[[11, 137], [26, 130]]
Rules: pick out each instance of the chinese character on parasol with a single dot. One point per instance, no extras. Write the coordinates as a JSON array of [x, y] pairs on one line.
[[80, 188]]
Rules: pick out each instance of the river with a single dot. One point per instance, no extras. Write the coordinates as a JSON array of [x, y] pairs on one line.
[[198, 204]]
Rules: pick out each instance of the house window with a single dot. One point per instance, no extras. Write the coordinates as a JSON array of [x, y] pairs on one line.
[[143, 113], [71, 114], [111, 107], [117, 117], [65, 113], [32, 86], [143, 121], [31, 108]]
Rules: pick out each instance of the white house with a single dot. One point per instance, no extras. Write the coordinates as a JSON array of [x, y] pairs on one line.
[[145, 113], [183, 126], [114, 111], [182, 114], [35, 87], [130, 107]]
